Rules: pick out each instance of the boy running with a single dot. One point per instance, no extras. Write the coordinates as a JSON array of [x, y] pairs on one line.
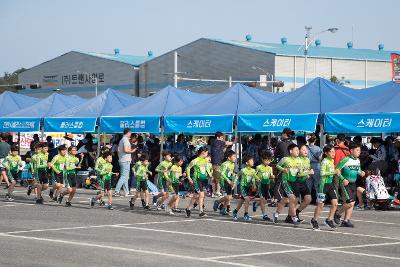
[[289, 167], [141, 171], [228, 183], [105, 173], [176, 177], [200, 179], [13, 164], [264, 175], [39, 169], [71, 164], [163, 179], [326, 188], [58, 166], [247, 178], [350, 169]]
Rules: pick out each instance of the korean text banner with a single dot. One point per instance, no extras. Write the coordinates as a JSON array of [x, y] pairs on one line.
[[199, 124], [19, 124], [138, 124], [362, 123], [277, 122], [72, 125]]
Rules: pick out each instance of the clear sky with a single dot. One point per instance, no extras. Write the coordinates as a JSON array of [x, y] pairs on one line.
[[33, 31]]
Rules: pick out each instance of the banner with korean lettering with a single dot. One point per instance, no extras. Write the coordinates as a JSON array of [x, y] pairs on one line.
[[19, 124], [71, 125], [277, 122], [395, 67], [362, 123], [138, 124], [199, 124]]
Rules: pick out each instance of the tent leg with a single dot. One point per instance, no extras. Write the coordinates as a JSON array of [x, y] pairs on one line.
[[19, 143], [321, 136], [161, 143], [240, 149], [104, 139], [98, 141]]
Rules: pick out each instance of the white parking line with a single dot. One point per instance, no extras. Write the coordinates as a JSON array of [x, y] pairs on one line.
[[364, 221], [84, 244]]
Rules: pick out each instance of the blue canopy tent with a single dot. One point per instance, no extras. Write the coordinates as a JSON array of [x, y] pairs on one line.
[[145, 115], [298, 110], [363, 94], [217, 113], [11, 102], [83, 117], [377, 114], [28, 119]]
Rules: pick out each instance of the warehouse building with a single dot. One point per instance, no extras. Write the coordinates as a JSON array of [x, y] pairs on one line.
[[77, 73], [248, 60]]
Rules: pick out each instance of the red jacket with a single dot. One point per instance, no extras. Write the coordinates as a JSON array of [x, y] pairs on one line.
[[342, 151]]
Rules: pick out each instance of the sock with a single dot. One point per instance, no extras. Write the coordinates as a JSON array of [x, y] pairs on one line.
[[276, 214]]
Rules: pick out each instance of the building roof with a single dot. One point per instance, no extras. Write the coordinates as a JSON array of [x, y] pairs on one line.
[[284, 49], [135, 61]]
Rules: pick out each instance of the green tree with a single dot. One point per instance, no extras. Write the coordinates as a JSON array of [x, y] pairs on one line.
[[341, 81], [10, 78]]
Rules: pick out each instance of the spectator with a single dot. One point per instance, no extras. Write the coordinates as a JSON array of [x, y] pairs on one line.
[[253, 150], [68, 139], [341, 150], [181, 147], [281, 150], [34, 142], [379, 157], [315, 155], [49, 141]]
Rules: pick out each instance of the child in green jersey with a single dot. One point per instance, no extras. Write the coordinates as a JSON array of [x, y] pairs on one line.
[[199, 180], [289, 167], [58, 166], [141, 172], [72, 163], [13, 164], [247, 178], [163, 179], [300, 187], [326, 188], [264, 174], [228, 182], [176, 176], [105, 173], [39, 171], [350, 169]]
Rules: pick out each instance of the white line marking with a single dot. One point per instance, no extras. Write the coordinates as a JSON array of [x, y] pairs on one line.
[[387, 223], [306, 229], [126, 249], [333, 249], [209, 236]]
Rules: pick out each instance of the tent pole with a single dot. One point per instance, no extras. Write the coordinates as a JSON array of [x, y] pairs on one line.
[[161, 142], [98, 141], [104, 139], [321, 136], [19, 143], [237, 148], [240, 149]]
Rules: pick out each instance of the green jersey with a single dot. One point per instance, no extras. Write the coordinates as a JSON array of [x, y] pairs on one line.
[[247, 176], [99, 162], [163, 169], [71, 163], [141, 171], [350, 169], [200, 167], [106, 171], [292, 164], [13, 163], [227, 171], [175, 173], [327, 173], [264, 173], [40, 160], [58, 163], [304, 169]]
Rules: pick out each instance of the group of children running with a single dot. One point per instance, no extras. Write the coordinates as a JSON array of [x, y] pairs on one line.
[[254, 184]]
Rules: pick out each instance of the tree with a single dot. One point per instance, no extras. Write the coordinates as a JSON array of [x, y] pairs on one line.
[[341, 81], [10, 78]]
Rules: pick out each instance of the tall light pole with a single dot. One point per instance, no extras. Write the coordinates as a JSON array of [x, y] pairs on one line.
[[307, 43], [92, 76], [267, 74]]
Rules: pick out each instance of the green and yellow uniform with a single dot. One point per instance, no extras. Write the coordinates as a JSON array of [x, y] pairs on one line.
[[58, 165], [350, 168], [264, 174], [71, 163], [141, 174], [176, 176], [248, 179], [12, 164], [105, 174], [291, 164], [201, 173]]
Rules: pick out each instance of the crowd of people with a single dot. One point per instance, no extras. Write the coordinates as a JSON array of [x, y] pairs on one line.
[[255, 170]]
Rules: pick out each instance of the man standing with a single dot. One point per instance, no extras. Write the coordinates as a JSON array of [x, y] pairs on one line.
[[281, 150], [124, 154], [218, 146]]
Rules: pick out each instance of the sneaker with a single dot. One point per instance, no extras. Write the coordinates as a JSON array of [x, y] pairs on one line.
[[254, 206], [266, 218], [273, 204], [54, 199], [216, 205], [29, 190], [162, 206], [202, 214], [39, 201], [131, 204], [147, 207], [314, 224], [92, 201], [68, 204], [358, 208], [188, 212], [295, 221], [155, 198], [143, 203], [330, 224], [176, 210], [102, 203], [367, 207], [60, 198], [213, 196], [116, 194], [235, 215], [170, 212], [288, 219], [167, 209], [247, 217], [110, 207], [223, 212], [274, 218], [297, 215], [336, 218], [195, 205], [158, 207], [347, 224]]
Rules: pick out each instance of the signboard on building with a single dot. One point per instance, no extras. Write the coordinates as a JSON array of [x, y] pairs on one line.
[[395, 67]]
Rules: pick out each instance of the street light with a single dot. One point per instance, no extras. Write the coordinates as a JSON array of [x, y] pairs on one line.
[[307, 42], [92, 76], [266, 73]]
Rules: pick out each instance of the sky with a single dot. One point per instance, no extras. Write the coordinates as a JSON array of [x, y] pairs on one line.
[[36, 31]]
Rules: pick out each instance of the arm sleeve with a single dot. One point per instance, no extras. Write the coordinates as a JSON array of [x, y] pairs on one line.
[[189, 167], [258, 174], [223, 170], [141, 171], [281, 164], [340, 166], [53, 161]]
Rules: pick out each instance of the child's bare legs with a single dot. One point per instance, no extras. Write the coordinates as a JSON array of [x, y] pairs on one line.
[[263, 202], [306, 201], [332, 210]]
